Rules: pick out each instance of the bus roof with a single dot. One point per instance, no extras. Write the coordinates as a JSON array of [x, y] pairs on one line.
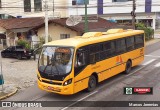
[[94, 37]]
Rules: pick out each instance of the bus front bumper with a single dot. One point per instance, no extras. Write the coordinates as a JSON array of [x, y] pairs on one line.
[[65, 90]]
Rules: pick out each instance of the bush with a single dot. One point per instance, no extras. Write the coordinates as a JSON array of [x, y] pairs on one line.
[[147, 30], [24, 43]]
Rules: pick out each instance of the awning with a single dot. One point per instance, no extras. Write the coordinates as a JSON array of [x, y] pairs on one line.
[[21, 30]]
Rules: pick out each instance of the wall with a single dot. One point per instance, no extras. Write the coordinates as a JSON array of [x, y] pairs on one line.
[[110, 7], [55, 31], [20, 10]]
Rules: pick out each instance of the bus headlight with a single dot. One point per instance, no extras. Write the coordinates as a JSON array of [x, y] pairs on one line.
[[67, 82]]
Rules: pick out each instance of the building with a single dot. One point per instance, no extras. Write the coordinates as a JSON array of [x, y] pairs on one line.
[[31, 8], [32, 29], [16, 28], [147, 11], [59, 30]]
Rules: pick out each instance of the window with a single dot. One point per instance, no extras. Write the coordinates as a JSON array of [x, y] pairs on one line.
[[64, 36], [120, 46], [130, 43], [121, 0], [81, 60], [94, 52], [95, 48], [0, 3], [139, 41], [79, 2], [27, 5], [37, 5], [109, 48]]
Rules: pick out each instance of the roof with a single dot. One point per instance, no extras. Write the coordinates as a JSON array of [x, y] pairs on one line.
[[18, 23], [82, 41], [102, 25]]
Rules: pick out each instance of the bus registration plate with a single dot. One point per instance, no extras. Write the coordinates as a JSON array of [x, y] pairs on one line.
[[50, 88]]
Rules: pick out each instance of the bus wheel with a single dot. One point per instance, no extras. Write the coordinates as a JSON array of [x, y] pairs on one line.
[[128, 67], [92, 83]]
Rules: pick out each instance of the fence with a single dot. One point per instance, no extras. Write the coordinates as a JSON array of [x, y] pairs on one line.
[[3, 44]]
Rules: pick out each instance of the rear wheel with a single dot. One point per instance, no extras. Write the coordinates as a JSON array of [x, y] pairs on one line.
[[128, 67], [19, 56], [29, 57], [92, 83]]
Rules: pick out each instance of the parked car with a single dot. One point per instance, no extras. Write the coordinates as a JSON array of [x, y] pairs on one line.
[[16, 51]]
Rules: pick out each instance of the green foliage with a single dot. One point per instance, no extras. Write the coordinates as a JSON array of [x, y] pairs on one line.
[[24, 43], [42, 40], [147, 30]]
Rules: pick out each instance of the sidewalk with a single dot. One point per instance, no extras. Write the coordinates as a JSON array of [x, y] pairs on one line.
[[155, 40], [7, 91]]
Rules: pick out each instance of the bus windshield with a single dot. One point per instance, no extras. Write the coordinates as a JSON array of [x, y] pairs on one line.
[[55, 60]]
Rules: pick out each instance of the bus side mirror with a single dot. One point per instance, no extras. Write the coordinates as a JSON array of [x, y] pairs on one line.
[[36, 53]]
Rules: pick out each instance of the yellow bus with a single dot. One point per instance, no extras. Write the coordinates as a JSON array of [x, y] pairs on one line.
[[70, 65]]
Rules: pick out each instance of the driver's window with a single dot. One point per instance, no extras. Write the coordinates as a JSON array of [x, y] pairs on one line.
[[80, 59]]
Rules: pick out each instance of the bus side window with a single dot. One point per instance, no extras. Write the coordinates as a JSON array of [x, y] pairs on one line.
[[139, 41], [80, 59], [130, 43], [120, 46]]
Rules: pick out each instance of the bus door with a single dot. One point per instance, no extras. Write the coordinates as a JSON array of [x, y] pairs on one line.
[[81, 70]]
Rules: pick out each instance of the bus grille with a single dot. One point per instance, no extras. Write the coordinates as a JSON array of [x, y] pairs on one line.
[[51, 82]]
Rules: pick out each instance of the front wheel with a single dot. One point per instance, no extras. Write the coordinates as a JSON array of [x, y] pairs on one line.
[[128, 67], [92, 83], [19, 56], [28, 57]]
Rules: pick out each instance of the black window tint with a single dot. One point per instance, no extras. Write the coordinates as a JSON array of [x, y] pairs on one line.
[[109, 50], [107, 45], [130, 43], [92, 58], [139, 41], [120, 46]]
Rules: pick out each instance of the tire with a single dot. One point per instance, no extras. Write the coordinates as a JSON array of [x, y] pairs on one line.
[[128, 67], [92, 83], [3, 55], [19, 56], [29, 57]]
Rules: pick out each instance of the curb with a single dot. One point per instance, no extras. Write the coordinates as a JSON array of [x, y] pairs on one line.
[[150, 42], [8, 95]]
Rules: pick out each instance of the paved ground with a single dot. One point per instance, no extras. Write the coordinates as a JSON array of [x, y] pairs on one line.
[[19, 73]]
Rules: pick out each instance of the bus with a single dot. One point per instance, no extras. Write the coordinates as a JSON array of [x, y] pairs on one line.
[[68, 66]]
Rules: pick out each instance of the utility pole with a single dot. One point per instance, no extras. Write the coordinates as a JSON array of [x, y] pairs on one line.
[[46, 21], [86, 17], [53, 9], [133, 14]]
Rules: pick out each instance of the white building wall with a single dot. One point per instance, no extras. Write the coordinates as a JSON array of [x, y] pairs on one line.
[[19, 8]]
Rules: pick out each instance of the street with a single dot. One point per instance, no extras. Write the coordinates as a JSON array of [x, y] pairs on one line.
[[147, 74]]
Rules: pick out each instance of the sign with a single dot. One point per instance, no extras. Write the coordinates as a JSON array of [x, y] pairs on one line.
[[1, 79], [138, 90]]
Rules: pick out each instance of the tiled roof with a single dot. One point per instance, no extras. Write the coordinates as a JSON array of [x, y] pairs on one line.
[[100, 24], [18, 23]]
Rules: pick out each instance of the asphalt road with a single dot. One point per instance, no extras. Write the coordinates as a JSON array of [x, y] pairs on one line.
[[146, 74]]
